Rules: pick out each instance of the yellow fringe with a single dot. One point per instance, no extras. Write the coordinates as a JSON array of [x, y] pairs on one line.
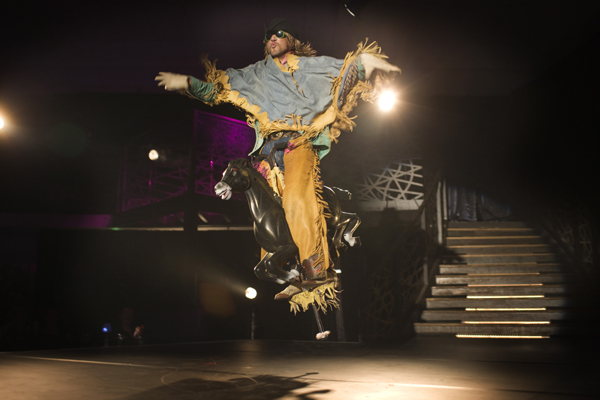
[[322, 247], [366, 91], [323, 297], [276, 181]]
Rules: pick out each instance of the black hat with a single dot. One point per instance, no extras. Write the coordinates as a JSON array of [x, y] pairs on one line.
[[281, 24]]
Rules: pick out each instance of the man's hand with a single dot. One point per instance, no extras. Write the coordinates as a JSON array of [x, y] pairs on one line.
[[371, 63], [172, 82]]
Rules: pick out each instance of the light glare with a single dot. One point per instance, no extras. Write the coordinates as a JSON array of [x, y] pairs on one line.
[[387, 101], [251, 293], [1, 123], [153, 155]]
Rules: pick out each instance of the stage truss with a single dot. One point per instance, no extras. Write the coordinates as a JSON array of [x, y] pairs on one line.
[[214, 142]]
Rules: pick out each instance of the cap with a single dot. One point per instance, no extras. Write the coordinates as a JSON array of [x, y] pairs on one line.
[[281, 24]]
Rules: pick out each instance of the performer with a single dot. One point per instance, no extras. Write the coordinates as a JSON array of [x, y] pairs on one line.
[[294, 97]]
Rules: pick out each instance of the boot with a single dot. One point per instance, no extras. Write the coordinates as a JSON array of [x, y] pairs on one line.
[[315, 275], [289, 292]]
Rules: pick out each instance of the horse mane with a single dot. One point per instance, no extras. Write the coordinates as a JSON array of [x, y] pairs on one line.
[[244, 163], [251, 168], [240, 163]]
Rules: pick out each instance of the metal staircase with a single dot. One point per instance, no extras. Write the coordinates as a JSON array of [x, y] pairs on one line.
[[499, 280]]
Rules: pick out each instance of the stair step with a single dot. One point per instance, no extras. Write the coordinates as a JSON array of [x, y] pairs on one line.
[[499, 249], [504, 329], [499, 290], [491, 240], [501, 279], [462, 232], [488, 225], [462, 315], [501, 258], [462, 302], [499, 268], [498, 279]]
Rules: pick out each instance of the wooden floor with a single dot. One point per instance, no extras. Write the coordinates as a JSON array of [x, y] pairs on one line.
[[420, 368]]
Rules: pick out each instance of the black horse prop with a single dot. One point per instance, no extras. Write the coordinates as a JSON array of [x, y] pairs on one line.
[[271, 231]]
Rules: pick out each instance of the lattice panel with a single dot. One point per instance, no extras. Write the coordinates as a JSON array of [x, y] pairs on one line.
[[399, 180], [410, 263], [381, 308]]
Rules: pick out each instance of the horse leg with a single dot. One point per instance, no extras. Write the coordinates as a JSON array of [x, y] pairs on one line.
[[261, 271], [337, 235], [280, 257], [352, 225]]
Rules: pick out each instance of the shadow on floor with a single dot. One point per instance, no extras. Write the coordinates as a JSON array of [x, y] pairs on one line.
[[260, 387]]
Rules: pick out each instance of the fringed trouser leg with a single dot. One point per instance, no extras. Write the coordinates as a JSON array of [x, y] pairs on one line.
[[305, 208]]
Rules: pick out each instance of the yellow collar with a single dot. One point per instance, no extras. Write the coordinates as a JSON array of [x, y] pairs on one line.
[[291, 65]]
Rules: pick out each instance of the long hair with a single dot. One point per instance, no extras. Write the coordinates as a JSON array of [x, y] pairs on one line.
[[298, 48]]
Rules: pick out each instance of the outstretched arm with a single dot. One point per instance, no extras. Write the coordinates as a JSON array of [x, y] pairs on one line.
[[187, 85], [171, 81], [371, 63]]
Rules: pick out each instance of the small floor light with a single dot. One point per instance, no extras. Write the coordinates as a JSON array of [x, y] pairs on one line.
[[153, 155], [250, 293]]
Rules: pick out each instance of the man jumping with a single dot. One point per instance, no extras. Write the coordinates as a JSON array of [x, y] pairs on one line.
[[301, 102]]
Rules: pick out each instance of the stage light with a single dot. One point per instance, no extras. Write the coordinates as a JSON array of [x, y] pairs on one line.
[[250, 293], [507, 322], [508, 309], [153, 155], [530, 296], [501, 337], [1, 123], [387, 100]]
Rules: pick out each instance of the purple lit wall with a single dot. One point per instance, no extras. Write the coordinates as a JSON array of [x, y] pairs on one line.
[[216, 141], [219, 140]]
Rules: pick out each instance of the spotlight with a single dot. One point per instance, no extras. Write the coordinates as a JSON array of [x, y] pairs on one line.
[[1, 123], [387, 100], [153, 155], [251, 293]]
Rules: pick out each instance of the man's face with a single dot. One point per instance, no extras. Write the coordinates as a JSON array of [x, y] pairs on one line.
[[279, 46]]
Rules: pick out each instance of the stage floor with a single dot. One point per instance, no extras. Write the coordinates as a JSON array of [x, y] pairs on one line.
[[420, 368]]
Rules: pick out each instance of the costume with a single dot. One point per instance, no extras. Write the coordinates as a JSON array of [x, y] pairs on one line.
[[305, 104]]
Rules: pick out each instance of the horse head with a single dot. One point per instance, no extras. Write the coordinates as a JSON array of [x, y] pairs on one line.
[[236, 178]]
